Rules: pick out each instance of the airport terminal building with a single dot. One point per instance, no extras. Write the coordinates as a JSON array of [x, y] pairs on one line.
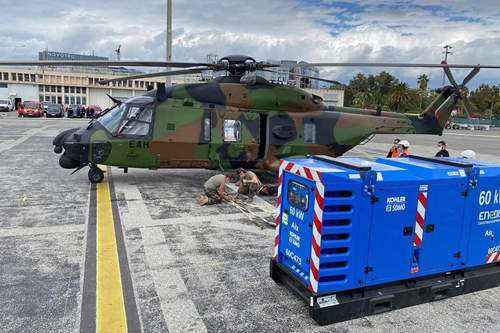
[[78, 84]]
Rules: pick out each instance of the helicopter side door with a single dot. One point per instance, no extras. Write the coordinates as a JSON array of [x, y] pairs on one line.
[[235, 136]]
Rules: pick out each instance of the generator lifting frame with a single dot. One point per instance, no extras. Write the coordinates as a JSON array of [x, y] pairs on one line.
[[332, 307]]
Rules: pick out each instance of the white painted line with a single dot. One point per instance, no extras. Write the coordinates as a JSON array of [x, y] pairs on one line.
[[26, 135], [180, 313], [29, 231]]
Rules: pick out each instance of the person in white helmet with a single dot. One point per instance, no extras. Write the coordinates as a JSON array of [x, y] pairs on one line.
[[403, 148], [468, 154]]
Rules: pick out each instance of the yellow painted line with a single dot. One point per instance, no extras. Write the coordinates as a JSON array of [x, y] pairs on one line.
[[110, 307]]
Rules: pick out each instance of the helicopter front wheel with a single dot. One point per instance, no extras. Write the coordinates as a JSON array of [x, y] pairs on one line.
[[96, 175]]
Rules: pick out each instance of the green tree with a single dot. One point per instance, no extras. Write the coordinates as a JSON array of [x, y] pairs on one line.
[[400, 96], [423, 81]]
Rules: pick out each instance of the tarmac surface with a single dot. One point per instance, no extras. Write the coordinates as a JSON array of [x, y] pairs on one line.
[[184, 268]]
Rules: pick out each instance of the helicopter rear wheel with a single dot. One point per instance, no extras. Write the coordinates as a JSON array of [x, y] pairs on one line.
[[96, 175]]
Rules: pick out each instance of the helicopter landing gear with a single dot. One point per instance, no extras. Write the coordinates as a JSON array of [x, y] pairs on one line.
[[95, 174]]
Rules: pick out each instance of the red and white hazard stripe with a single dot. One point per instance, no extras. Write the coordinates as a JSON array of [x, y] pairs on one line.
[[493, 257], [420, 220], [316, 240], [301, 171], [278, 210]]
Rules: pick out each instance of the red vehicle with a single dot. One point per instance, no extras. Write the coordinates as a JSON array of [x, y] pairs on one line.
[[31, 109], [97, 109], [20, 109]]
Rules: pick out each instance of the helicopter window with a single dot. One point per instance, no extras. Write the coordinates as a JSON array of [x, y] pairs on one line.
[[309, 133], [111, 120], [207, 128], [231, 130], [137, 121]]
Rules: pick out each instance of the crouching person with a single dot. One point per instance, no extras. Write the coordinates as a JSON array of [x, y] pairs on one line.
[[249, 184], [216, 190]]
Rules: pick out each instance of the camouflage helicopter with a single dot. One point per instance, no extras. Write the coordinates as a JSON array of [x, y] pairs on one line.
[[238, 120]]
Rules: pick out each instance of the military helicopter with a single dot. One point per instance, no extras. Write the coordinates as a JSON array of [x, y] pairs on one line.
[[238, 120]]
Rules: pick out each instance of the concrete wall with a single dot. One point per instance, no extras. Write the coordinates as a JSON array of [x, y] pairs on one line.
[[27, 92]]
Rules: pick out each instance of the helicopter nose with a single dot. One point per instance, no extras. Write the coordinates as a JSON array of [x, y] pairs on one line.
[[75, 150]]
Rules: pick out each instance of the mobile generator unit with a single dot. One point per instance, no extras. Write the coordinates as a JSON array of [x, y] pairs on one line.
[[355, 237]]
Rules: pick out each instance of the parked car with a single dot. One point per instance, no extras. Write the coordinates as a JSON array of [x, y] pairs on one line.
[[6, 105], [31, 108], [55, 110], [97, 109]]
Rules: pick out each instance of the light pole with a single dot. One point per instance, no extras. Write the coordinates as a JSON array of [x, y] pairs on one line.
[[446, 56], [169, 39]]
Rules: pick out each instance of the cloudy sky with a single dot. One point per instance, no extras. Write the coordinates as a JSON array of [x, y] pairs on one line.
[[309, 30]]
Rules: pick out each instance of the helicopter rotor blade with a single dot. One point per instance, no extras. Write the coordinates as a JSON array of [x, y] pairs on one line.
[[379, 64], [450, 76], [173, 64], [470, 75], [443, 107], [158, 74], [301, 75], [467, 106]]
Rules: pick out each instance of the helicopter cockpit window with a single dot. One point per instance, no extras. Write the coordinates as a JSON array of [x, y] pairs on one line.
[[231, 130], [111, 120], [137, 121], [309, 133]]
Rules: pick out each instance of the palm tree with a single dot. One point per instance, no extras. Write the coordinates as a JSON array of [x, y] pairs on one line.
[[361, 99], [400, 96], [422, 81]]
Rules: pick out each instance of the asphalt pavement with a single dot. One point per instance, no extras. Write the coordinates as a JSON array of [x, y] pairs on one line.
[[190, 268]]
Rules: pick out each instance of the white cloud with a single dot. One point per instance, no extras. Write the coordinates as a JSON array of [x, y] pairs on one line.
[[316, 31]]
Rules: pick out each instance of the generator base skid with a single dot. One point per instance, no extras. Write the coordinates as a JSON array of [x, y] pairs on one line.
[[333, 307]]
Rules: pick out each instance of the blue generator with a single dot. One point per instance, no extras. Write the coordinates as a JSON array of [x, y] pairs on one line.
[[357, 237]]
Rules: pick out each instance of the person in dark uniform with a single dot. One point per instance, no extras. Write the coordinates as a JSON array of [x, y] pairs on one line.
[[442, 152], [393, 152]]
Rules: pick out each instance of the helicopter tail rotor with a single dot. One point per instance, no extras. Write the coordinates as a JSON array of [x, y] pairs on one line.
[[452, 95]]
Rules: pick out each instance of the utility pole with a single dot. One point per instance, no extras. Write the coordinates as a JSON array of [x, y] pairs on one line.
[[446, 56], [169, 39]]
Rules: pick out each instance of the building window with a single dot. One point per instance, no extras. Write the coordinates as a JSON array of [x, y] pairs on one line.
[[6, 76], [78, 100], [136, 84], [13, 76], [41, 98], [66, 100], [27, 77], [129, 84], [78, 90], [19, 77], [47, 98], [84, 90], [47, 88], [72, 89], [72, 99], [91, 81], [59, 89], [53, 89], [40, 88], [53, 99], [66, 90], [84, 100], [231, 130], [33, 77]]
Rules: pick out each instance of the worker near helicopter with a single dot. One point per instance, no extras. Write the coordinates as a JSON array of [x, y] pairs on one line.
[[216, 190], [403, 147], [393, 152]]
